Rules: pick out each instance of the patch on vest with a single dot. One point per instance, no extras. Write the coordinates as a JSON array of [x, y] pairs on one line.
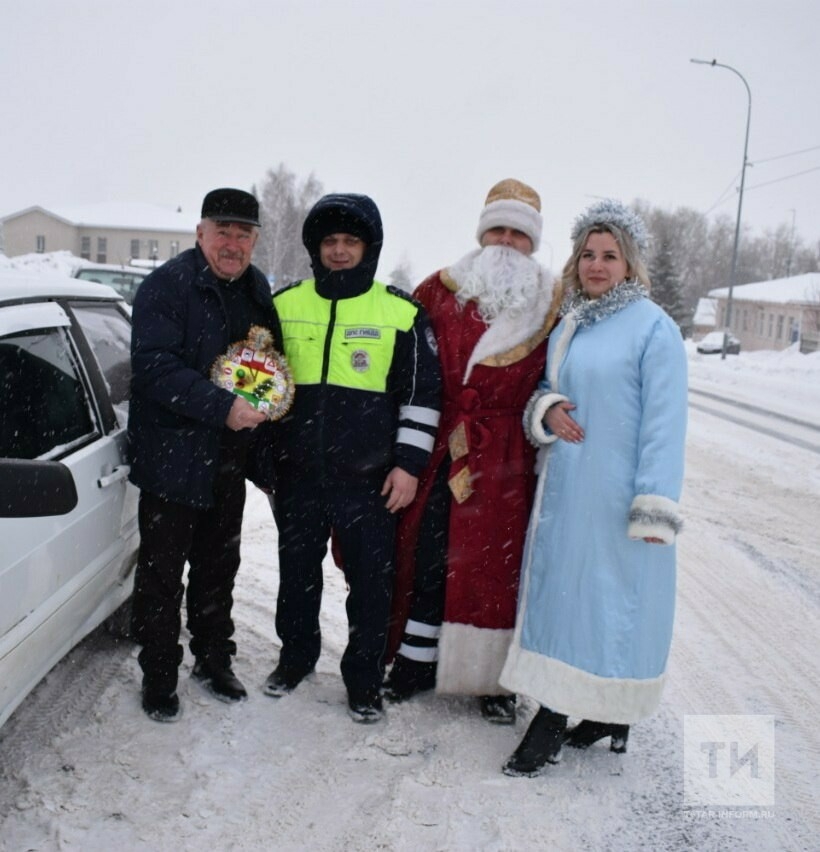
[[360, 361], [370, 333]]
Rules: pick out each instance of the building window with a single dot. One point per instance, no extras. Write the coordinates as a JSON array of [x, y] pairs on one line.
[[40, 242], [780, 319], [745, 324], [760, 316], [153, 249], [771, 325], [135, 249], [85, 248], [102, 249], [174, 248]]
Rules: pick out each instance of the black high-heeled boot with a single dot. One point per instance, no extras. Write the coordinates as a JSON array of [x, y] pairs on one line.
[[587, 732], [541, 745]]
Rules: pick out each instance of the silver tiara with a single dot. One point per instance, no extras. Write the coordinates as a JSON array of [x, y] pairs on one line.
[[612, 212]]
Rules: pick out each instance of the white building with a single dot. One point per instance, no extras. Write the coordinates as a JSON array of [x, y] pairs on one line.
[[104, 233], [773, 314]]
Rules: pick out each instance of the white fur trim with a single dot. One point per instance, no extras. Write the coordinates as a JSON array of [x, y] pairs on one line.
[[559, 348], [565, 689], [509, 213], [653, 516], [470, 659], [542, 405]]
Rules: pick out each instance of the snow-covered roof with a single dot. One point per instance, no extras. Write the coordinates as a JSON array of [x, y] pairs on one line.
[[705, 312], [122, 214], [799, 288]]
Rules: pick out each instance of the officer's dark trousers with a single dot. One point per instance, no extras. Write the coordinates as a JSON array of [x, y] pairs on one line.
[[419, 641], [306, 509], [208, 539]]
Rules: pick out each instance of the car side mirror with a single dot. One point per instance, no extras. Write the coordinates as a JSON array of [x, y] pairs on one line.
[[35, 489]]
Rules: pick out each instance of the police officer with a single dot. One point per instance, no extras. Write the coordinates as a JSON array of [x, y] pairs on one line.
[[348, 455]]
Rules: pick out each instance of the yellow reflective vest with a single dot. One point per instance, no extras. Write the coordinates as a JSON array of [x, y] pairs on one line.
[[367, 382], [346, 342]]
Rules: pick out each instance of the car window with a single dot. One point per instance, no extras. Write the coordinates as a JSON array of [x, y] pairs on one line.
[[109, 335], [45, 404], [125, 283]]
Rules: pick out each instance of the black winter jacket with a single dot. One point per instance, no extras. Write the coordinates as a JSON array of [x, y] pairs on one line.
[[340, 428], [182, 321]]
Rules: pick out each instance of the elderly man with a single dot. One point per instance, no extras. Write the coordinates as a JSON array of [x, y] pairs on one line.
[[460, 543], [347, 456], [188, 443]]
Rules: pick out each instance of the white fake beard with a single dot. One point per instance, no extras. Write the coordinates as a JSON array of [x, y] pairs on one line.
[[501, 280]]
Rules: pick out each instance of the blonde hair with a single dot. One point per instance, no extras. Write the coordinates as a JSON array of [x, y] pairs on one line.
[[635, 267]]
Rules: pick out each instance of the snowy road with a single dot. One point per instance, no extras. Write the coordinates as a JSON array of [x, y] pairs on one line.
[[83, 769], [767, 421]]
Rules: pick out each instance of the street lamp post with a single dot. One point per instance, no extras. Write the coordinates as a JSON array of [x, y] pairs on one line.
[[714, 63]]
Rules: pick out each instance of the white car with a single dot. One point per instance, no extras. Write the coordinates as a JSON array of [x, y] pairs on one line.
[[712, 344], [68, 515]]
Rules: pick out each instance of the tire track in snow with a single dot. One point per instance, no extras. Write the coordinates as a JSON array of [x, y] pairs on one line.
[[68, 694], [747, 603], [803, 434]]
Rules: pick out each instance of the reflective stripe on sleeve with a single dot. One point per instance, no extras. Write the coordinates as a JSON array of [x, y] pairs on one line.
[[415, 438], [419, 414]]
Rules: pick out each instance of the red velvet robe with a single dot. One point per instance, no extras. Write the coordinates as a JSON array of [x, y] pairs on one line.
[[492, 478]]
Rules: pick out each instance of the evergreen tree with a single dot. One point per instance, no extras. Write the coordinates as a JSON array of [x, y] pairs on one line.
[[667, 290]]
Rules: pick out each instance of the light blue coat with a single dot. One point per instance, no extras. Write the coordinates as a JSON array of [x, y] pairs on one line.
[[596, 604]]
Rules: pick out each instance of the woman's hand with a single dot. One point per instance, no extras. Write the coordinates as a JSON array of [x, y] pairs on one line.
[[562, 425]]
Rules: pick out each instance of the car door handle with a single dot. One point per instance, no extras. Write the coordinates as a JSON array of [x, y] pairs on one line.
[[116, 475]]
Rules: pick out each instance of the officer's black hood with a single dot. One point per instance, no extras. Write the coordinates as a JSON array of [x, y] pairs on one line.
[[344, 213]]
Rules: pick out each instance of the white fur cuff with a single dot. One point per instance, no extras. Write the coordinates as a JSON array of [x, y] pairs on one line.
[[653, 516], [536, 409]]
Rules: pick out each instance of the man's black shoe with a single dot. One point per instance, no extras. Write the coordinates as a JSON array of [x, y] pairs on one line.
[[407, 678], [499, 709], [283, 680], [365, 709], [220, 682], [161, 706]]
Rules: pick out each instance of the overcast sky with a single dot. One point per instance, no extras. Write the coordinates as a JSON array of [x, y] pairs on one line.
[[423, 105]]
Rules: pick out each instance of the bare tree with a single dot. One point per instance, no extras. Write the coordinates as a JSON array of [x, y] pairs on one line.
[[284, 203], [701, 251]]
